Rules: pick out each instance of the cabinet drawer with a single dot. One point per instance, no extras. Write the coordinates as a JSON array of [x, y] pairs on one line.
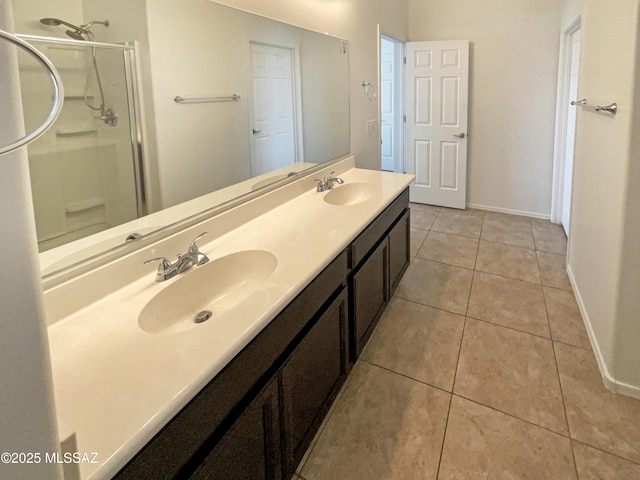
[[310, 379], [251, 448], [369, 290], [399, 250], [376, 230]]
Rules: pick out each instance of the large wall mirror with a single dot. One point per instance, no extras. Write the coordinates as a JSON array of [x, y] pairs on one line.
[[171, 107]]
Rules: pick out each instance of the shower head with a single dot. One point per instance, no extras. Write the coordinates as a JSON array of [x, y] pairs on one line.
[[56, 22], [53, 22], [77, 32]]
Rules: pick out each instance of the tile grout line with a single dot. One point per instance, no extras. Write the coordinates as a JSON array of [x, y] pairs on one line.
[[513, 278], [446, 423], [430, 306], [441, 262], [455, 374], [573, 440], [489, 322], [529, 422], [510, 278], [522, 331], [564, 406], [422, 382], [590, 350], [482, 271], [444, 436], [457, 234], [555, 359]]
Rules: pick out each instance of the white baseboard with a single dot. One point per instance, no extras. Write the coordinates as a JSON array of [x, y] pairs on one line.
[[609, 380], [509, 211]]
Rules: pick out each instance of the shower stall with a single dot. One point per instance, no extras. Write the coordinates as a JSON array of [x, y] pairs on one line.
[[86, 171]]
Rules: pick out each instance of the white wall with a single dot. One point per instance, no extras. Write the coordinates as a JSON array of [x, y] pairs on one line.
[[603, 258], [27, 416], [513, 78], [627, 368]]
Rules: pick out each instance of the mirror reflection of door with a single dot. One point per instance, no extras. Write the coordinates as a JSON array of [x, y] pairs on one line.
[[272, 108]]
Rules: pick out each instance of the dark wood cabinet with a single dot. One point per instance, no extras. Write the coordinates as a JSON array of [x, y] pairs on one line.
[[399, 250], [257, 417], [251, 448], [379, 256], [311, 378], [369, 296]]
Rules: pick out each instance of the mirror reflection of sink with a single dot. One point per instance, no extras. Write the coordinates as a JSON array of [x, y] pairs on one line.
[[95, 249], [350, 193], [207, 292]]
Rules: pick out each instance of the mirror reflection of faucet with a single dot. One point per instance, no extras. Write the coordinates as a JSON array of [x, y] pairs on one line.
[[167, 270], [327, 183]]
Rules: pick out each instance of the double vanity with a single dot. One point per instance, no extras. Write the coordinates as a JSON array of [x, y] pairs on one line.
[[227, 369]]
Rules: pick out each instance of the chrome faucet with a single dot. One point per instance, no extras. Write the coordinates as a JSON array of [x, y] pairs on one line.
[[327, 183], [167, 270]]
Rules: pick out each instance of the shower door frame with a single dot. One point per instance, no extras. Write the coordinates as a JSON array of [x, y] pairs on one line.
[[129, 53]]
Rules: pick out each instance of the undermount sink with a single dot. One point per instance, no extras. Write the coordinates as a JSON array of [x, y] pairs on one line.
[[350, 193], [209, 292]]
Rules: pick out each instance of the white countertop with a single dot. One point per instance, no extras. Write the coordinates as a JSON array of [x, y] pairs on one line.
[[116, 386]]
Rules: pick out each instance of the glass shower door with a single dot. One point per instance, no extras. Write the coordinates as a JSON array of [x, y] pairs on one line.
[[85, 173]]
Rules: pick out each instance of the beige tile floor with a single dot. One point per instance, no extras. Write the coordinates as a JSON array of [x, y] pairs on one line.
[[480, 368]]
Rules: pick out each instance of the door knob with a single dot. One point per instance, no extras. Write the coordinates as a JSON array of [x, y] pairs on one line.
[[256, 131], [459, 135]]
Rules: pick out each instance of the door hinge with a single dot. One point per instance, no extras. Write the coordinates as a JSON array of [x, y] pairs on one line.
[[404, 118], [404, 60]]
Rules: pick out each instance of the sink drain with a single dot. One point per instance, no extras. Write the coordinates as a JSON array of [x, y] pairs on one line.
[[203, 316]]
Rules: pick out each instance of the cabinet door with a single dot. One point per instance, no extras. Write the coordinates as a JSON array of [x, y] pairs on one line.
[[310, 380], [251, 448], [399, 250], [370, 293]]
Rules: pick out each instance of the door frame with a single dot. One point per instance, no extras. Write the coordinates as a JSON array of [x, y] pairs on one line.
[[563, 100], [296, 97], [399, 166]]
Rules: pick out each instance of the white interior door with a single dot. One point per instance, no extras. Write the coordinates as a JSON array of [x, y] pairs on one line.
[[391, 104], [436, 104], [272, 117], [570, 130]]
